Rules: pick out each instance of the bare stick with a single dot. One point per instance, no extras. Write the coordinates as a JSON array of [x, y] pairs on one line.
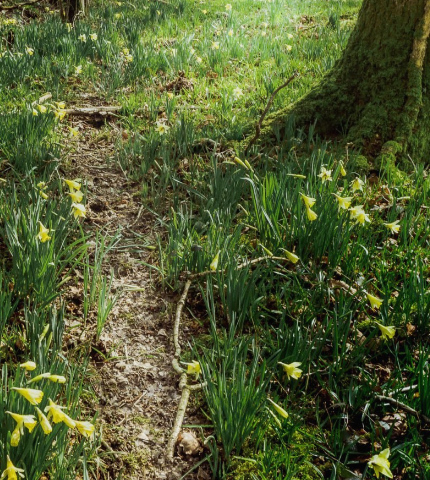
[[19, 5], [403, 406], [269, 104], [93, 110], [42, 99]]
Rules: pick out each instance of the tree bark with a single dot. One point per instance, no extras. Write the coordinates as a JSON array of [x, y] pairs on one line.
[[379, 91]]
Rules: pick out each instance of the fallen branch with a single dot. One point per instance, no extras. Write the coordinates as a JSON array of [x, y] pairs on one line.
[[93, 110], [42, 99], [403, 406], [19, 5], [269, 104]]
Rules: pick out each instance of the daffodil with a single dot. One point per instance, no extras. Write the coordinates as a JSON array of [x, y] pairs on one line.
[[291, 256], [76, 196], [74, 131], [214, 264], [29, 365], [230, 32], [78, 69], [342, 170], [279, 409], [56, 413], [60, 105], [309, 201], [117, 16], [204, 12], [199, 60], [79, 210], [82, 37], [85, 428], [344, 202], [215, 46], [393, 226], [43, 233], [73, 185], [29, 51], [228, 7], [128, 58], [380, 463], [33, 396], [43, 195], [44, 422], [237, 93], [93, 36], [69, 27], [386, 332], [28, 421], [266, 250], [290, 36], [34, 111], [42, 185], [60, 114], [311, 214], [357, 184], [49, 376], [42, 108], [362, 217], [162, 128], [194, 368], [375, 302], [11, 471], [291, 369], [325, 175], [289, 48]]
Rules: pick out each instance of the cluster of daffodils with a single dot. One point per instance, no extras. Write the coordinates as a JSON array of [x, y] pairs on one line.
[[78, 209], [83, 38], [126, 55], [54, 414], [57, 108]]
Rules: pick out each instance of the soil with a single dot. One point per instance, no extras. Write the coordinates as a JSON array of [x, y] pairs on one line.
[[130, 370]]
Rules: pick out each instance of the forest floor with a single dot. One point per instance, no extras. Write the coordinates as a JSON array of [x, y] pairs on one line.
[[298, 256]]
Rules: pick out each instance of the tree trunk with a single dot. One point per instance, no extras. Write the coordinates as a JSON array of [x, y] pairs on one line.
[[379, 91], [71, 9]]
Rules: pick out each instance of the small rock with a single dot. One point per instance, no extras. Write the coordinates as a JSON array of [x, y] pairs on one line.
[[121, 366]]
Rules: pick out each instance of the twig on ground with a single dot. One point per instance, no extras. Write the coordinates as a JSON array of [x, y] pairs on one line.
[[102, 110], [263, 115], [19, 5], [42, 99], [403, 406]]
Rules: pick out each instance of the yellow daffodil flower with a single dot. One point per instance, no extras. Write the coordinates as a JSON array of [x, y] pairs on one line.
[[49, 376], [375, 302], [325, 175], [33, 396], [43, 233], [356, 210], [29, 365], [43, 195], [42, 108], [58, 416], [393, 226], [214, 264], [69, 27], [386, 332], [240, 162], [28, 421], [29, 51], [204, 12], [266, 250], [342, 170], [128, 58], [362, 217], [79, 210], [34, 111], [78, 69], [82, 37], [117, 16], [194, 368], [344, 202], [291, 369], [230, 32], [291, 256], [311, 214], [199, 60], [11, 471], [289, 48], [279, 409], [44, 422], [60, 114], [73, 185], [93, 36], [237, 93], [215, 46], [162, 128], [380, 463], [76, 196], [85, 428], [60, 105], [309, 201], [228, 7], [42, 185], [357, 184], [74, 131]]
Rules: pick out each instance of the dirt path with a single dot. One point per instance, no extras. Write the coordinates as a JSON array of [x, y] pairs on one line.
[[132, 375]]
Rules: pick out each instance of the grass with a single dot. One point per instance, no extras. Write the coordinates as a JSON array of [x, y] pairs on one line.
[[192, 79]]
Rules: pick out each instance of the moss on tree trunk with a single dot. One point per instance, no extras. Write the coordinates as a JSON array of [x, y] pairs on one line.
[[379, 91]]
